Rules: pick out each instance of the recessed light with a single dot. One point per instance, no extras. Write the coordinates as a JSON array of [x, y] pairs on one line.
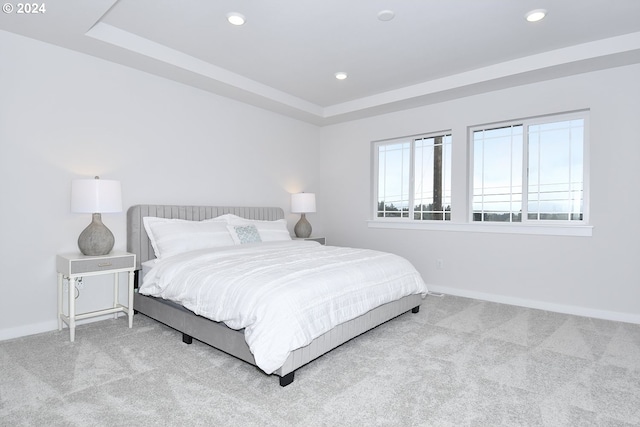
[[535, 15], [341, 75], [235, 18], [386, 15]]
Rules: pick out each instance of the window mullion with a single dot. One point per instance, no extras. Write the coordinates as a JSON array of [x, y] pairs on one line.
[[482, 211], [524, 206], [412, 174]]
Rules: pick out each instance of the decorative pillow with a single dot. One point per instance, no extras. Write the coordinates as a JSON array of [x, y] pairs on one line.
[[243, 234], [174, 236], [270, 231]]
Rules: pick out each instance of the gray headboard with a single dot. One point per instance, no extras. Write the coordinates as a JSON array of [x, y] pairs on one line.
[[138, 241]]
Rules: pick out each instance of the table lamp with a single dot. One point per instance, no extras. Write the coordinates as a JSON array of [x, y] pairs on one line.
[[303, 203], [96, 196]]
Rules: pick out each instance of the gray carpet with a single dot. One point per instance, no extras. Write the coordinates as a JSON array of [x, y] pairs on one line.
[[458, 362]]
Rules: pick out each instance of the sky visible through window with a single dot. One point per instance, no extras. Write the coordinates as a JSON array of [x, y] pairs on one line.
[[526, 170], [554, 166], [430, 192], [393, 174]]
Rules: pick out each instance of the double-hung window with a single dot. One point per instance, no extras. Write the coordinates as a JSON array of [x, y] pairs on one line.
[[530, 171], [413, 177]]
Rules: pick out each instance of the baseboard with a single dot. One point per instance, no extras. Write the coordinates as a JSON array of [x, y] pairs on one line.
[[540, 305], [23, 331], [52, 325]]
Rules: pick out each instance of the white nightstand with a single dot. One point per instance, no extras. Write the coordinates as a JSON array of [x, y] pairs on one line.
[[321, 240], [74, 266]]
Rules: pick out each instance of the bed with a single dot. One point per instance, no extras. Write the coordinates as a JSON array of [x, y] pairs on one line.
[[217, 333]]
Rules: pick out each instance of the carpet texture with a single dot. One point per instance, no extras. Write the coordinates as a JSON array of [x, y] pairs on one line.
[[458, 362]]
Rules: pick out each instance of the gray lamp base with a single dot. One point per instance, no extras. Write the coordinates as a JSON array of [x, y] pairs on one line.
[[302, 228], [96, 239]]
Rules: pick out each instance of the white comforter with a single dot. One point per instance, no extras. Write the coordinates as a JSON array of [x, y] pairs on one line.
[[284, 294]]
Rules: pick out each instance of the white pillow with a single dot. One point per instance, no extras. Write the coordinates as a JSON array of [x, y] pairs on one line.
[[174, 236], [227, 217], [270, 231]]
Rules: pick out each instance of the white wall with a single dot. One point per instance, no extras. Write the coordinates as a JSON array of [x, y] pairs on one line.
[[65, 115], [594, 276]]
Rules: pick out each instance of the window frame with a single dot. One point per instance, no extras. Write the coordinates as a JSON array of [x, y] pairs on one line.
[[526, 122], [375, 163], [462, 160]]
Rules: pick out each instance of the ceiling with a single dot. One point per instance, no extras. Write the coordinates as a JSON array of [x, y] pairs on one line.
[[285, 56]]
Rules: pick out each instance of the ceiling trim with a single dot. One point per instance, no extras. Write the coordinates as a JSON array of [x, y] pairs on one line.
[[620, 50], [126, 40]]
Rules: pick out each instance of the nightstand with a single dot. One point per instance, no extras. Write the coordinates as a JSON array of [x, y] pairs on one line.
[[76, 266], [321, 240]]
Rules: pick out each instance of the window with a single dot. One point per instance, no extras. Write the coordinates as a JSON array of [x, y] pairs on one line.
[[525, 176], [530, 170], [413, 178]]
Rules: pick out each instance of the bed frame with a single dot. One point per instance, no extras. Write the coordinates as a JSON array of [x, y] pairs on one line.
[[217, 334]]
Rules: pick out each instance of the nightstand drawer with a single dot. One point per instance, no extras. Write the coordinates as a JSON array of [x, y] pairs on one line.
[[81, 265]]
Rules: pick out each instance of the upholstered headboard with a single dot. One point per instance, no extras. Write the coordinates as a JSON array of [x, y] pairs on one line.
[[138, 241]]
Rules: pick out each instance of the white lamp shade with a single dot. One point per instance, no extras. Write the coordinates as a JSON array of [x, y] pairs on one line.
[[303, 202], [96, 196]]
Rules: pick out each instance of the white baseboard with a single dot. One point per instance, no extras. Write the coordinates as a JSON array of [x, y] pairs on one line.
[[22, 331], [52, 325], [540, 305]]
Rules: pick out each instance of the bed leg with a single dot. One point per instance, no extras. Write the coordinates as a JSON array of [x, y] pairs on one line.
[[187, 339], [287, 379], [415, 309]]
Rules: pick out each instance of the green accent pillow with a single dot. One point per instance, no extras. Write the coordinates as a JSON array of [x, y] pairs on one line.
[[247, 234]]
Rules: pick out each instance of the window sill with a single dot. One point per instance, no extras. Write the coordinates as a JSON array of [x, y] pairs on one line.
[[542, 229]]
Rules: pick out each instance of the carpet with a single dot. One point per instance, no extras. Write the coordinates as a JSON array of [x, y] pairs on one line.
[[458, 362]]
